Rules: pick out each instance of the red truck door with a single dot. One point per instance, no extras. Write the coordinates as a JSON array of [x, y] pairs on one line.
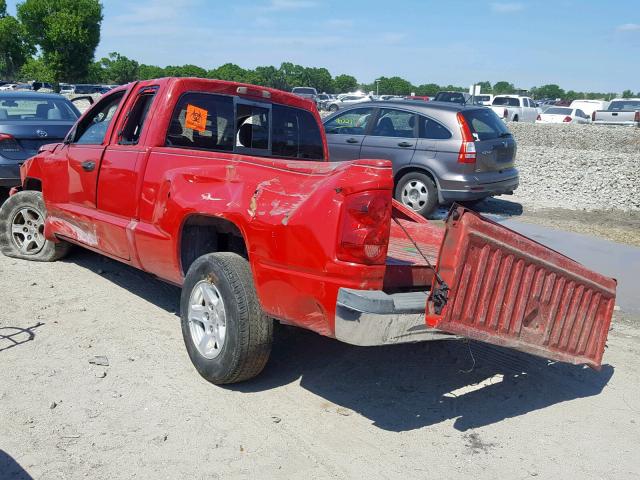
[[84, 154], [511, 291], [120, 171]]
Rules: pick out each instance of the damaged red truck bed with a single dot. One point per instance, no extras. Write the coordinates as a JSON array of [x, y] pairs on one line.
[[225, 189]]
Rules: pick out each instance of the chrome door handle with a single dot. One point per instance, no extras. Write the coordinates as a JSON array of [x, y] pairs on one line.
[[88, 165], [351, 140]]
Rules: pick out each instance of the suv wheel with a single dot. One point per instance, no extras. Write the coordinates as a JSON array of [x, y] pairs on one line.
[[333, 108], [227, 336], [418, 192]]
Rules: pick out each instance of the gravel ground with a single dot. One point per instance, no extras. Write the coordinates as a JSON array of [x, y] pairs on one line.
[[321, 409], [578, 167]]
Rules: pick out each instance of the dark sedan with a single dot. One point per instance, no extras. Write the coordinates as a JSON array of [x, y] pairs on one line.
[[29, 120]]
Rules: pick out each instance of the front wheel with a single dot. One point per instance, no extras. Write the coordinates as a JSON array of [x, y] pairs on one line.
[[22, 219], [418, 192], [227, 336], [333, 108]]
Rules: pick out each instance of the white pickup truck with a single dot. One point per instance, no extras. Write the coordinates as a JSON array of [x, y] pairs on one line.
[[621, 111], [515, 108]]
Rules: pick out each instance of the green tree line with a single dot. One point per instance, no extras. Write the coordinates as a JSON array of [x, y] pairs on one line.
[[65, 34]]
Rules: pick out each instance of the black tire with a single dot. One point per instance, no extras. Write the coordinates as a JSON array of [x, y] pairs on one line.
[[425, 206], [515, 118], [333, 108], [249, 333], [11, 243]]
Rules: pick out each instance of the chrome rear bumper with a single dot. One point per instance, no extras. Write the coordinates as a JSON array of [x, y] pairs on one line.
[[373, 317]]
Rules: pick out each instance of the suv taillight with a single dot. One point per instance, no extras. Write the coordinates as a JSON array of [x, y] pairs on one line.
[[593, 116], [364, 228], [8, 143], [636, 118], [567, 119], [467, 153], [505, 114], [538, 118]]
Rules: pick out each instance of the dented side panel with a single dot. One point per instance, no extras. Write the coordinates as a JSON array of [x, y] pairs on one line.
[[512, 291], [286, 211]]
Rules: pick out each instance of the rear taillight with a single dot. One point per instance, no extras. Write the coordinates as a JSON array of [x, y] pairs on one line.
[[567, 119], [636, 118], [467, 153], [505, 114], [8, 143], [593, 116], [538, 117], [364, 228]]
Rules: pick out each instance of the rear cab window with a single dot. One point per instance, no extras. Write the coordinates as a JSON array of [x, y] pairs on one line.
[[485, 124], [506, 101], [225, 123]]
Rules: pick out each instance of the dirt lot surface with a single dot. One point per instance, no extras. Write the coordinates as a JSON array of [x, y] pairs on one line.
[[321, 409]]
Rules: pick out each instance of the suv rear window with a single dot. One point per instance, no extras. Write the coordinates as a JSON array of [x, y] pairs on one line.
[[485, 124]]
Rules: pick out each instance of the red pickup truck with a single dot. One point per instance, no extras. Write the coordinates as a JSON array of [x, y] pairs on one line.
[[225, 189]]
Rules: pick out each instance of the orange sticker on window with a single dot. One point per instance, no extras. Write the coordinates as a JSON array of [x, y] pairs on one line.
[[196, 118]]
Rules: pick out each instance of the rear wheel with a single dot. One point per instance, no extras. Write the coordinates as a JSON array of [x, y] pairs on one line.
[[515, 118], [227, 336], [418, 192], [22, 219], [333, 108]]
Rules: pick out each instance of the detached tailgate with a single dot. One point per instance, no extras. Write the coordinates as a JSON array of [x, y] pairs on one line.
[[511, 291]]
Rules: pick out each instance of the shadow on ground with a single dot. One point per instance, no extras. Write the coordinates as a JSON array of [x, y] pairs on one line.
[[10, 469], [11, 337], [487, 206], [405, 387], [401, 387], [142, 284]]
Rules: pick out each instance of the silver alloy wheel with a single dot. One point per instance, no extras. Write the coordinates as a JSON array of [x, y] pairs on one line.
[[207, 319], [27, 231], [415, 194]]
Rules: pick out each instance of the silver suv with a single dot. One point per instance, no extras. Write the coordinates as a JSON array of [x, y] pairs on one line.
[[441, 152]]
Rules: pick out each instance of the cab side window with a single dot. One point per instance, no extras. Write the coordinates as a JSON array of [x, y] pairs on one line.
[[130, 134], [203, 121], [94, 127]]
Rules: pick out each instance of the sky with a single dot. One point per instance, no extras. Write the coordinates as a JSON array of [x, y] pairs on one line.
[[582, 45]]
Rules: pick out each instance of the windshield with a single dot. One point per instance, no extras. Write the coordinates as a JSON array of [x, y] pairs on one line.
[[625, 105], [506, 101], [33, 108], [558, 111], [485, 124]]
